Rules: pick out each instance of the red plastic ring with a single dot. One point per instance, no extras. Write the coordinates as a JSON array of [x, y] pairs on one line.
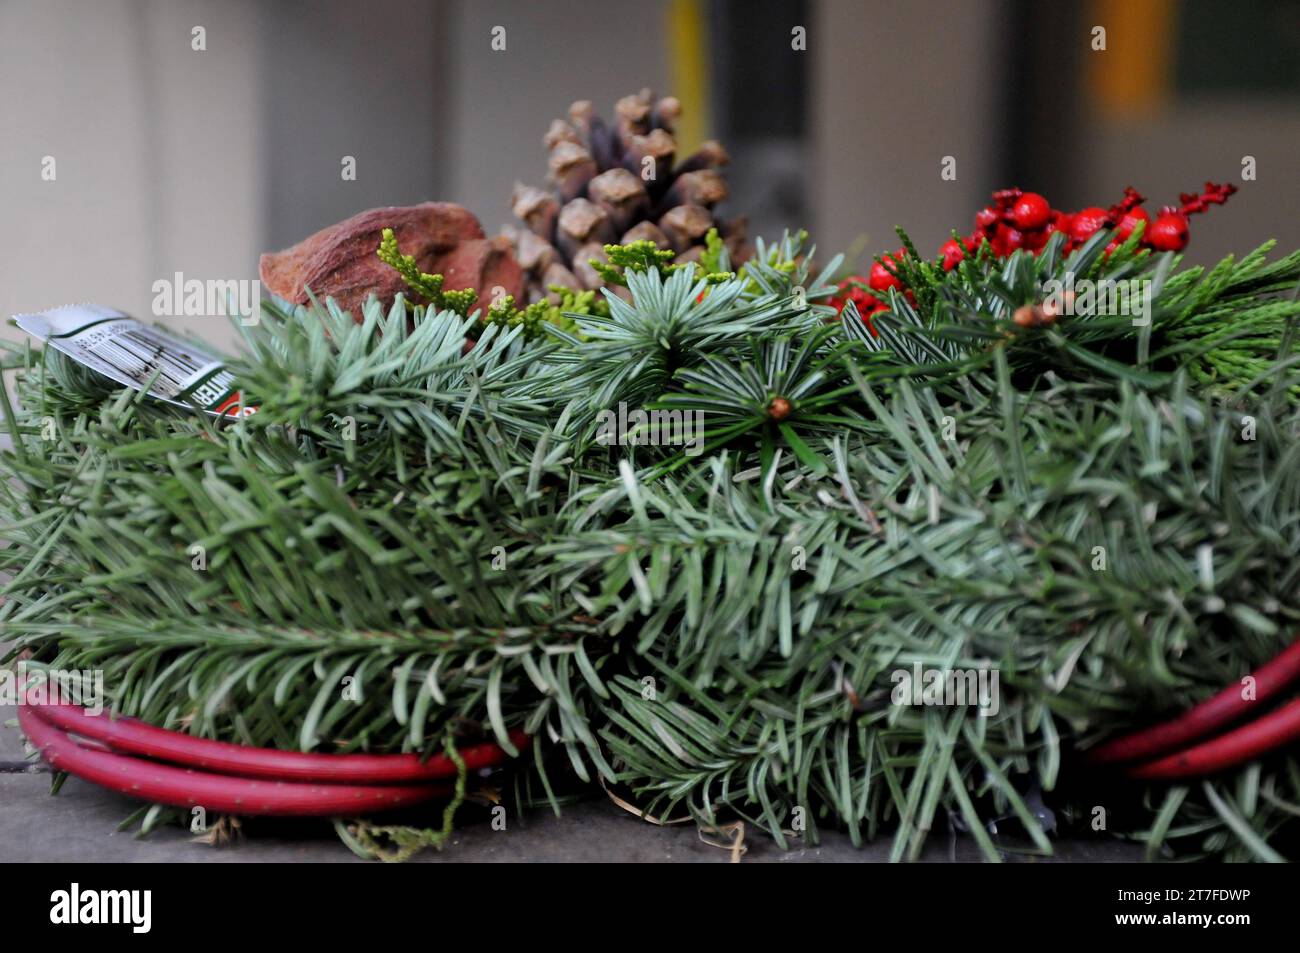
[[137, 737], [186, 787]]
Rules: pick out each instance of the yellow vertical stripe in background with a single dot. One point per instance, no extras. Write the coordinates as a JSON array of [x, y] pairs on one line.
[[1134, 75], [688, 71]]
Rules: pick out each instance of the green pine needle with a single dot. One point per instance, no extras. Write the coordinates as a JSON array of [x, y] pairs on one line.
[[715, 635]]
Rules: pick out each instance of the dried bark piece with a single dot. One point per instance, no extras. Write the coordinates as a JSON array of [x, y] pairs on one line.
[[487, 265], [339, 262]]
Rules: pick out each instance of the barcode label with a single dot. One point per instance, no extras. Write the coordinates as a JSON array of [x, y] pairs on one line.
[[144, 355], [138, 356]]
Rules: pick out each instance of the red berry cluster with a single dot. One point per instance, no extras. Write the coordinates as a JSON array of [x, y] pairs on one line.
[[854, 288], [1026, 220]]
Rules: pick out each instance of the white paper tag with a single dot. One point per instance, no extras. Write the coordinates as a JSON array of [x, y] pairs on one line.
[[138, 355]]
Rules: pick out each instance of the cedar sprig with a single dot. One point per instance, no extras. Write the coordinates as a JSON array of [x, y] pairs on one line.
[[424, 285], [641, 256]]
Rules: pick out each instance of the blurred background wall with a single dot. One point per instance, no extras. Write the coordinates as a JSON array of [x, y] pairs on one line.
[[168, 158]]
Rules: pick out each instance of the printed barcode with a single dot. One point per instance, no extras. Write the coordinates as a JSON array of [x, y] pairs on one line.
[[129, 353], [154, 351], [140, 353]]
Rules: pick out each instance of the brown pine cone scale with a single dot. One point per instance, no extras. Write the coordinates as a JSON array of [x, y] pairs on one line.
[[620, 182]]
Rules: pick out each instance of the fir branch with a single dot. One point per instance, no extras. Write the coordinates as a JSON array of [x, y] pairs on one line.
[[440, 527]]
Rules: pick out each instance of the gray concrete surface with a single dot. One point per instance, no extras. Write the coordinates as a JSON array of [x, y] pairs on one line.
[[79, 825]]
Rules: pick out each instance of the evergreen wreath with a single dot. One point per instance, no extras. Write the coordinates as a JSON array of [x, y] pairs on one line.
[[1105, 514]]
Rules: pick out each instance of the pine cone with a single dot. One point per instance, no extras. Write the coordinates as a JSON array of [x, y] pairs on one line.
[[618, 183]]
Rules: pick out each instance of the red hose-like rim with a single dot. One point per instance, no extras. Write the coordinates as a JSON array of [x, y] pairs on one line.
[[186, 787], [1213, 713], [137, 737], [1228, 750]]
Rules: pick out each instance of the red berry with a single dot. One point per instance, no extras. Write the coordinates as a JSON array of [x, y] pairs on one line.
[[1060, 223], [1129, 222], [1007, 240], [849, 288], [881, 279], [986, 218], [853, 289], [1168, 232], [866, 313], [952, 253], [1085, 223], [1030, 212]]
